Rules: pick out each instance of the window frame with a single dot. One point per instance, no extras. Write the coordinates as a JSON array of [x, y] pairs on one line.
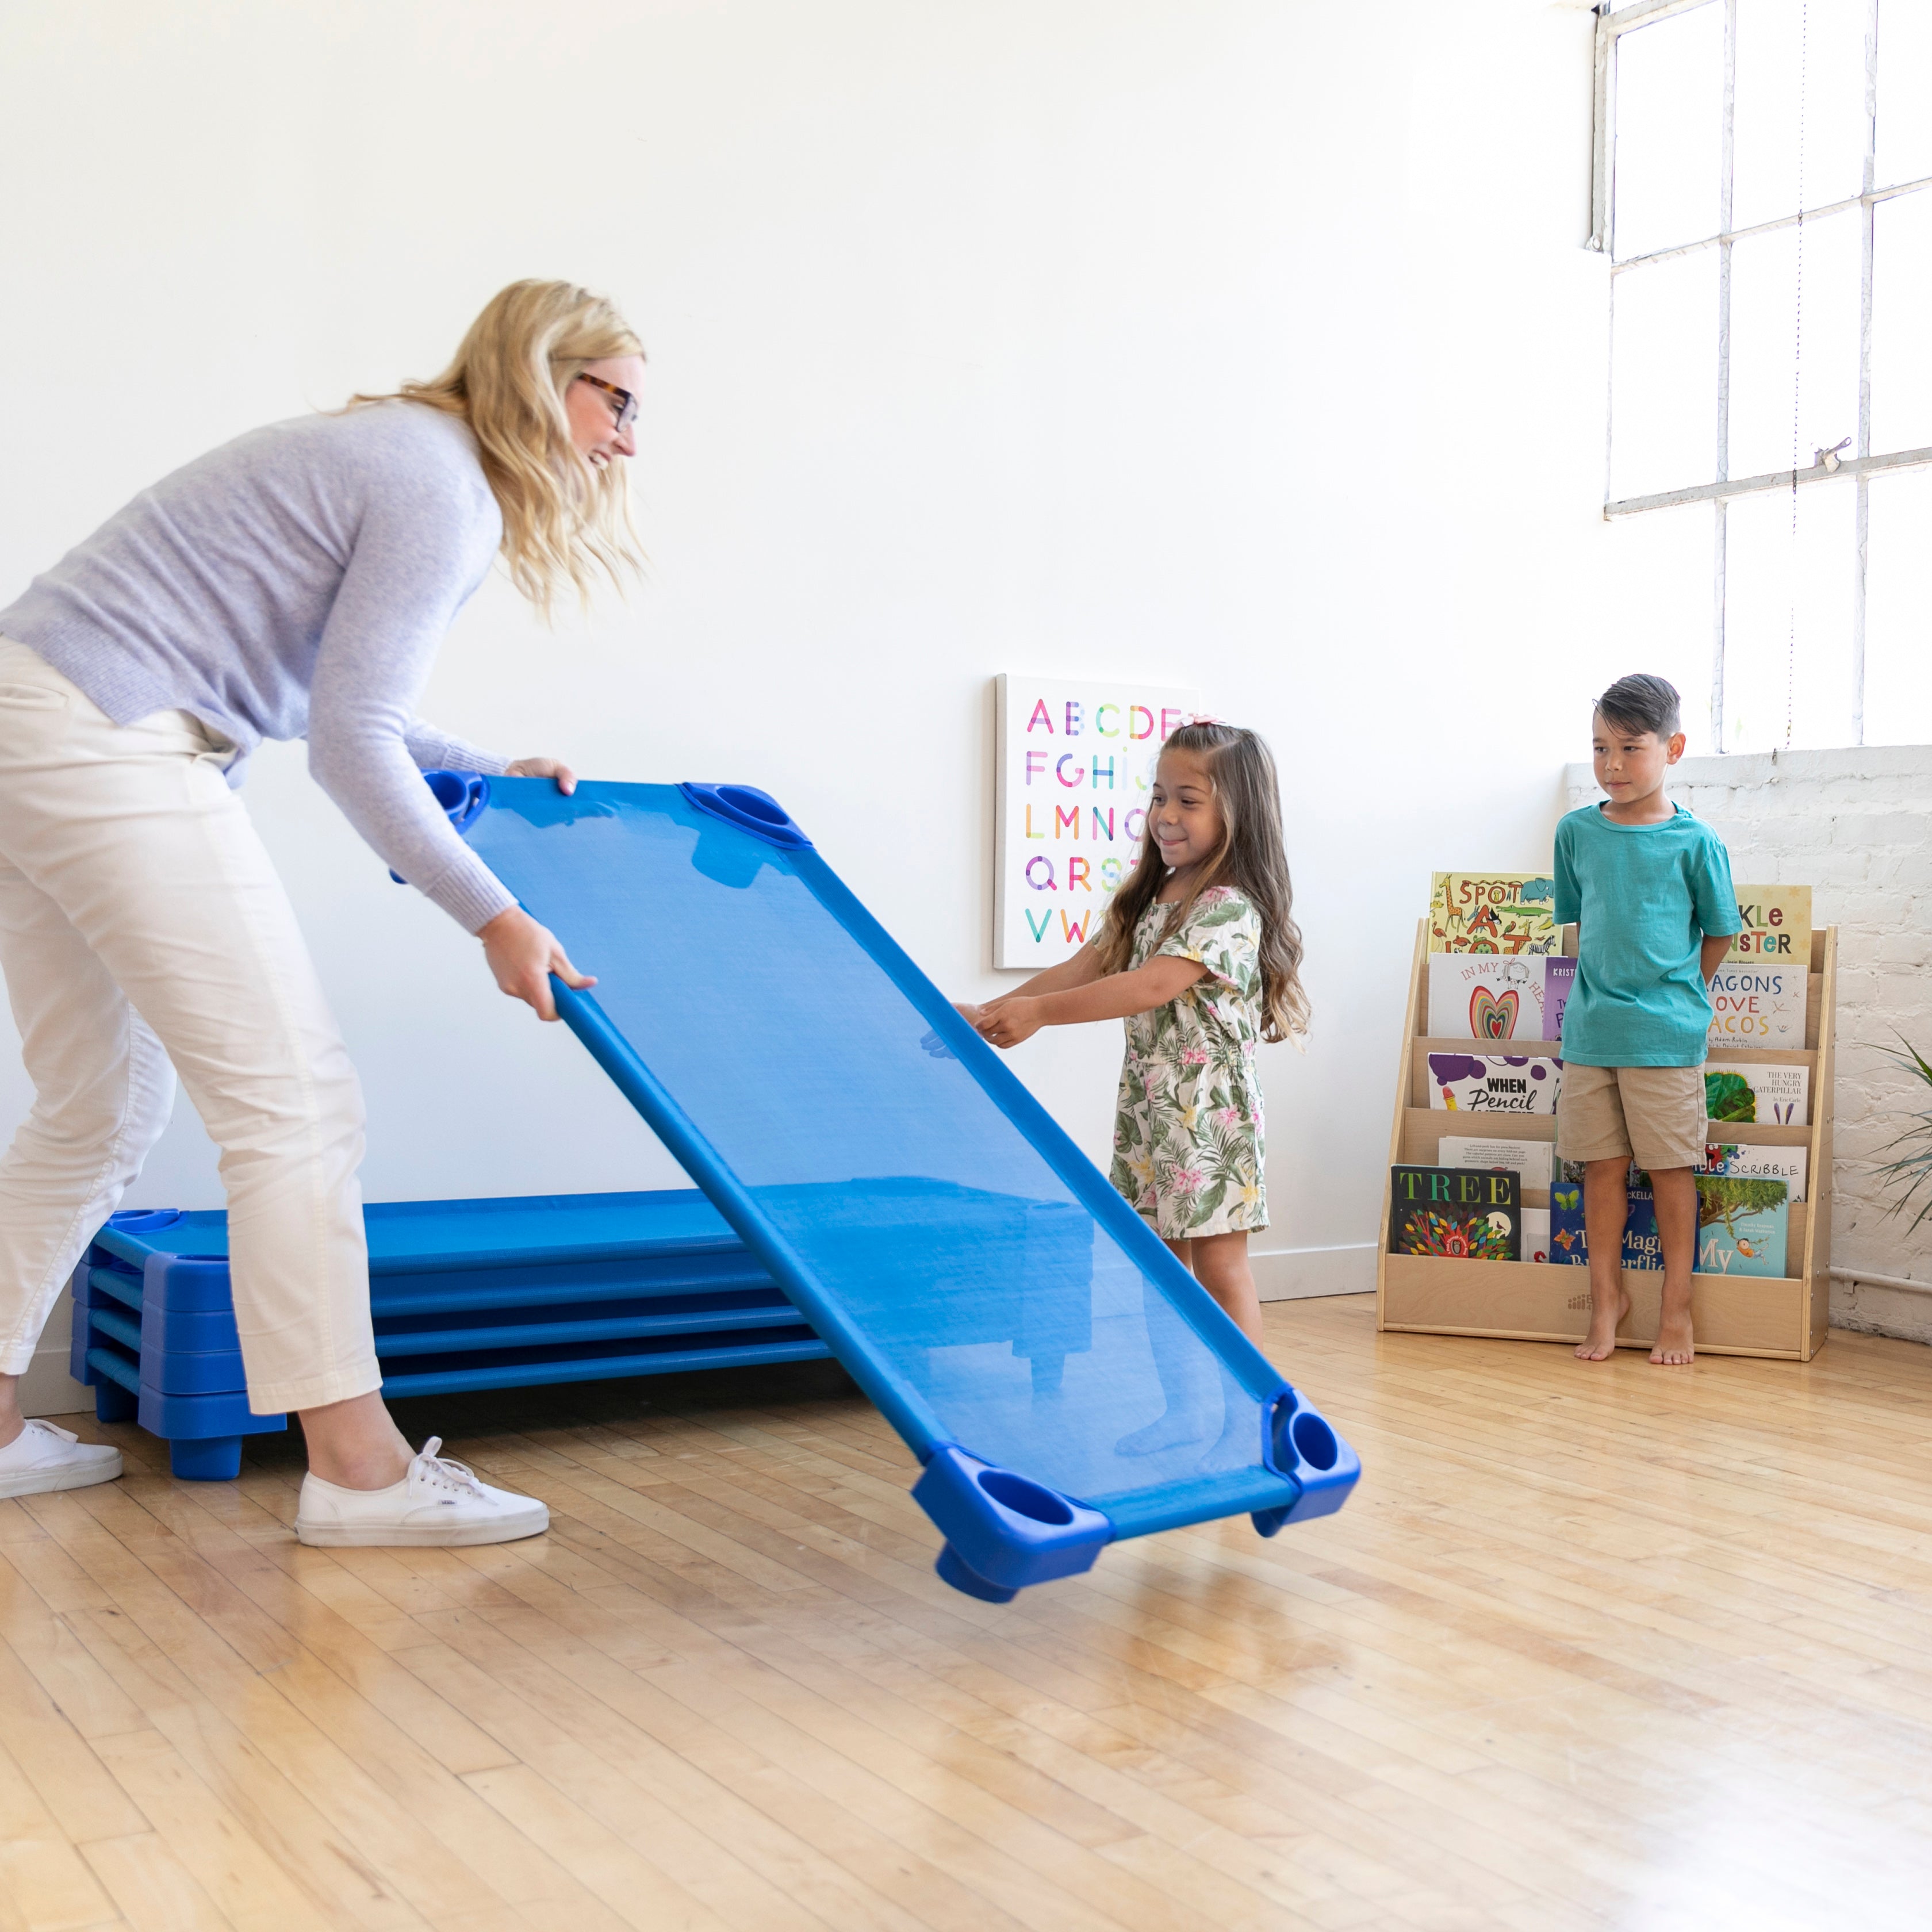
[[1612, 22]]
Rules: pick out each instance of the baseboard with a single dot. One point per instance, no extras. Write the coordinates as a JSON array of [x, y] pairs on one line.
[[1295, 1274], [46, 1388]]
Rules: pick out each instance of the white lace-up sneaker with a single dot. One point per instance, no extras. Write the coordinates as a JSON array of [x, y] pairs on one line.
[[439, 1503], [44, 1456]]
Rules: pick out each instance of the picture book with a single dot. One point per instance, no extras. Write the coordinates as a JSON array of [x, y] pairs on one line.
[[1742, 1224], [1467, 1083], [1536, 1233], [1497, 996], [1454, 1214], [1774, 1096], [1784, 1164], [1568, 1242], [1754, 1004], [1528, 1160], [1560, 976], [1493, 912], [1777, 926]]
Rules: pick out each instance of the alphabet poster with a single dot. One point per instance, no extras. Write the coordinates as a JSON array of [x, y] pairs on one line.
[[1076, 759]]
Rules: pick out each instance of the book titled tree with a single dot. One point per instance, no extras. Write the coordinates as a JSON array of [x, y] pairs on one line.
[[1493, 912], [1756, 1097], [1455, 1213], [1776, 925]]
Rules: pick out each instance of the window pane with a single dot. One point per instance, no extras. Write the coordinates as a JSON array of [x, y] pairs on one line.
[[1788, 606], [1669, 132], [1904, 93], [1902, 323], [1772, 80], [1771, 369], [1663, 375], [1898, 610], [1658, 602]]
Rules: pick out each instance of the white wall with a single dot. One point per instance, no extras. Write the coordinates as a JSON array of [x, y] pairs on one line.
[[1856, 826], [1242, 342]]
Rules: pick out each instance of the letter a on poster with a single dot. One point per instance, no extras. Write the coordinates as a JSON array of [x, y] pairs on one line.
[[1076, 762]]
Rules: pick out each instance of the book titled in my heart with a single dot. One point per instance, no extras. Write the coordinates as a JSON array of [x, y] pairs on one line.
[[1455, 1213], [1486, 996]]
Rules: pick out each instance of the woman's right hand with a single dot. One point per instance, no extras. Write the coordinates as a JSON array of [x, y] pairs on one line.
[[523, 954]]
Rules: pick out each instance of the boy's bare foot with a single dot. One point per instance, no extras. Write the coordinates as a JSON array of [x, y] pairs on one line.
[[1601, 1344], [1673, 1349]]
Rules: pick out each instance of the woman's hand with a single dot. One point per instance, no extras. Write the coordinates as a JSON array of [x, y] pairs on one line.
[[523, 954], [969, 1013], [1009, 1020], [566, 783]]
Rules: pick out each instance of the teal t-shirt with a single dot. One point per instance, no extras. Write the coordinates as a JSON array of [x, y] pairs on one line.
[[1644, 898]]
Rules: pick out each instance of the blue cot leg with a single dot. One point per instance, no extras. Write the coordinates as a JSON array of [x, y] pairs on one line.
[[211, 1458], [112, 1403]]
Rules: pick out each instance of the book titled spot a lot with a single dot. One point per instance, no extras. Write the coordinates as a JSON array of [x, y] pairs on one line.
[[1455, 1213]]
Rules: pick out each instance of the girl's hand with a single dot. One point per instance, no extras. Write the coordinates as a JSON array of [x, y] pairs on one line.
[[1017, 1018], [967, 1012], [523, 954], [566, 783]]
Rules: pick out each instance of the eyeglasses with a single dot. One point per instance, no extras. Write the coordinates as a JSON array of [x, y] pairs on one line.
[[626, 404]]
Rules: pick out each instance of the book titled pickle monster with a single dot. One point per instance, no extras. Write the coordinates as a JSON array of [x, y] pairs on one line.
[[1455, 1213]]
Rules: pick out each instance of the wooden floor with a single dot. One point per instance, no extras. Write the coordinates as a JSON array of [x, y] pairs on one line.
[[1614, 1647]]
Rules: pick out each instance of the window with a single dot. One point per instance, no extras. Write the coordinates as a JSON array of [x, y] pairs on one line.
[[1761, 188]]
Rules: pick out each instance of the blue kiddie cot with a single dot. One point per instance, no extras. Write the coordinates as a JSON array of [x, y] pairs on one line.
[[870, 1169]]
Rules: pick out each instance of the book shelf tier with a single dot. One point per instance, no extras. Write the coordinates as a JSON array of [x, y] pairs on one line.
[[1747, 1314]]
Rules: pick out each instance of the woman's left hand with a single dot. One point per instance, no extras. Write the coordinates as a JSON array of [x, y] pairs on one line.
[[544, 768], [1015, 1019]]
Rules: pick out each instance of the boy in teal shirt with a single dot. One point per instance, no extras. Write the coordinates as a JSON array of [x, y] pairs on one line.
[[1648, 888]]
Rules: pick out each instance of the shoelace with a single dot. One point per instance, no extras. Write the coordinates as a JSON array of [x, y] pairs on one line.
[[437, 1472]]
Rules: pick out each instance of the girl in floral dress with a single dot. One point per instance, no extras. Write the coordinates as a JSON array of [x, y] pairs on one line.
[[1198, 954]]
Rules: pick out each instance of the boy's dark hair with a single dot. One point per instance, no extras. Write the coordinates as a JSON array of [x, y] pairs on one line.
[[1641, 703]]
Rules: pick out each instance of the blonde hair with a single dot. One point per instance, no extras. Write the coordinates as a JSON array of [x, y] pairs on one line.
[[563, 519]]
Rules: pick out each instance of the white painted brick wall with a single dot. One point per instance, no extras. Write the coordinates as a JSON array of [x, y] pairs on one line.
[[1856, 826]]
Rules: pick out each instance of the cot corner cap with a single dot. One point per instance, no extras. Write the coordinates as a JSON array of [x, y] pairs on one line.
[[1004, 1531], [750, 810]]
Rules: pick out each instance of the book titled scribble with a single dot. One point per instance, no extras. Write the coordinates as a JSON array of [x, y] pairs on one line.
[[1470, 1083], [1498, 996], [1455, 1213], [1493, 912]]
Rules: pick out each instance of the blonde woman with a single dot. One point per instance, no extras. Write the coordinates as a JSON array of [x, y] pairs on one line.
[[294, 583]]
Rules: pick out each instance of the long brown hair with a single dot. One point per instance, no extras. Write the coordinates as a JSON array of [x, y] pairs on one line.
[[1250, 859], [563, 520]]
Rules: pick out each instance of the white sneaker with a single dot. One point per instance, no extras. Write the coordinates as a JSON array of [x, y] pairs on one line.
[[43, 1457], [438, 1504]]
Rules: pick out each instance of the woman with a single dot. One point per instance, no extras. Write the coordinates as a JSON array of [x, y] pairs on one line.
[[296, 583]]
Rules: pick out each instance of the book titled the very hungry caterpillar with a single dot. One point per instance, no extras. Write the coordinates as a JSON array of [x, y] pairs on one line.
[[1455, 1213]]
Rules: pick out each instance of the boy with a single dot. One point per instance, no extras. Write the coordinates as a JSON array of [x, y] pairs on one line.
[[1649, 889]]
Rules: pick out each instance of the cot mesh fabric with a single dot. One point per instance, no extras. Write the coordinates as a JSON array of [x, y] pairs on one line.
[[1010, 1320]]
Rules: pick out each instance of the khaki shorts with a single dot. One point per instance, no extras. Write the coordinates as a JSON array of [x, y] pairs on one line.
[[1654, 1114]]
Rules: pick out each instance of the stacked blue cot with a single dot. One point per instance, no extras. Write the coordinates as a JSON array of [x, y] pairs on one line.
[[467, 1294]]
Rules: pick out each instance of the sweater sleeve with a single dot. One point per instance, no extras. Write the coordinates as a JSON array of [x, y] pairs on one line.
[[422, 544], [435, 751]]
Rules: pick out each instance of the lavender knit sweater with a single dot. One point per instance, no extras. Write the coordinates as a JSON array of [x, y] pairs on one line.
[[297, 583]]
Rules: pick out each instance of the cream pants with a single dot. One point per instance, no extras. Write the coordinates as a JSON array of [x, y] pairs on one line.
[[141, 923]]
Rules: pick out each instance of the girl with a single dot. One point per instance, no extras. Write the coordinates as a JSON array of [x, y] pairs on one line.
[[295, 584], [1198, 954]]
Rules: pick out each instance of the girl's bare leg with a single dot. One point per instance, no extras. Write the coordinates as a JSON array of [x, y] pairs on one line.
[[1220, 1264]]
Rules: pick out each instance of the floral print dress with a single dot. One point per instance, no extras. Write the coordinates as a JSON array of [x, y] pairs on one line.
[[1188, 1135]]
